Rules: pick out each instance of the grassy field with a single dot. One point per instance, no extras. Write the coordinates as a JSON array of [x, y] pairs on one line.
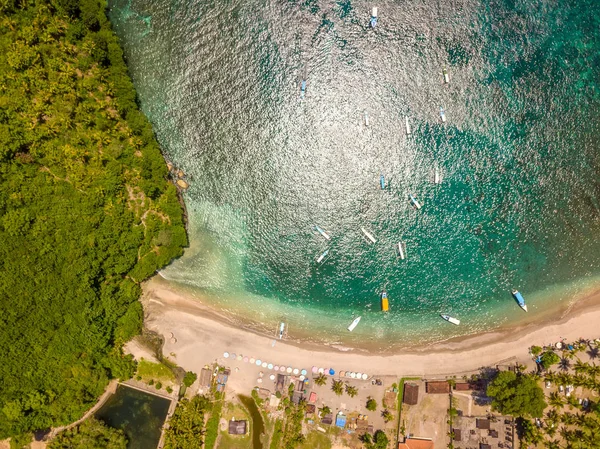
[[154, 371], [227, 441], [316, 440]]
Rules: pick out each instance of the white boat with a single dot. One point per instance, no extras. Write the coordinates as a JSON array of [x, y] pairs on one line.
[[281, 330], [437, 179], [354, 324], [366, 119], [400, 246], [407, 126], [443, 115], [450, 319], [446, 76], [369, 235], [322, 256], [414, 201], [323, 233]]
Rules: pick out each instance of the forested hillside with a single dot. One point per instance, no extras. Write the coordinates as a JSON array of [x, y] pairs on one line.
[[86, 212]]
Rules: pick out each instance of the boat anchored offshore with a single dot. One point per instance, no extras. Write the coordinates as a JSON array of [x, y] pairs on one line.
[[437, 179], [354, 324], [323, 233], [519, 299], [407, 124], [414, 201], [401, 248], [385, 305], [373, 21], [281, 330], [446, 77], [322, 256], [450, 319], [382, 181], [443, 115], [366, 118], [302, 88], [368, 235]]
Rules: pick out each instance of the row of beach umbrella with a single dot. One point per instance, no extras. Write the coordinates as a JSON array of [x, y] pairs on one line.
[[291, 370]]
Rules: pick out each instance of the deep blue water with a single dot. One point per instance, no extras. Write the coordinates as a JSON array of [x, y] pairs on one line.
[[519, 202]]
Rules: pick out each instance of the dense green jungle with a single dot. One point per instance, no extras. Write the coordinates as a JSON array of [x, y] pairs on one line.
[[86, 211]]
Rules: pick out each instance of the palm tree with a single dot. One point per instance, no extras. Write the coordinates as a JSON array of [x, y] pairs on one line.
[[320, 380], [556, 400], [324, 411], [580, 367], [387, 416], [337, 386], [564, 364], [351, 391], [593, 352]]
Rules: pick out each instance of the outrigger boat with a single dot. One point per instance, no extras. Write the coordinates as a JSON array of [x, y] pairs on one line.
[[407, 126], [450, 319], [323, 233], [366, 119], [281, 330], [443, 115], [401, 247], [373, 21], [382, 181], [414, 201], [354, 324], [368, 235], [385, 306], [302, 88], [322, 256], [519, 299], [446, 77]]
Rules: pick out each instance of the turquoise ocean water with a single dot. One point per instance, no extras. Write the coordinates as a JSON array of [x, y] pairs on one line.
[[519, 156]]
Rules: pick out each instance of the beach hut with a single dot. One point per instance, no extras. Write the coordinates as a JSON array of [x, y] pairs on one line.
[[411, 394], [237, 427]]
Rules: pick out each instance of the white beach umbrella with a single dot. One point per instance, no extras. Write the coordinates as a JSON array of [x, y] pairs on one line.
[[296, 371], [258, 362], [270, 366], [289, 369], [353, 375], [252, 360], [259, 380], [226, 354], [272, 377], [302, 378], [364, 376], [321, 370], [264, 364], [359, 375]]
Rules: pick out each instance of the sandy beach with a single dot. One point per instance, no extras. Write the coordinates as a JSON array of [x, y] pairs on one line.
[[196, 335]]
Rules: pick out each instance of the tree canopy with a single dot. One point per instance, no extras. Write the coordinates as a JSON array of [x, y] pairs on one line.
[[92, 433], [86, 211], [517, 395], [186, 426]]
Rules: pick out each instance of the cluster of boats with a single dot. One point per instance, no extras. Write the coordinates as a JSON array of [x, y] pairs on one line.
[[400, 246], [385, 306]]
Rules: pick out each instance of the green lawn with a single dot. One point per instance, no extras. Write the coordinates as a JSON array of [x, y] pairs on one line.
[[154, 371], [316, 440], [234, 442]]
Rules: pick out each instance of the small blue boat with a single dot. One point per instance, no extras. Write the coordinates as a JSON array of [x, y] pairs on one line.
[[373, 21], [443, 115], [519, 299], [302, 88], [382, 181]]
